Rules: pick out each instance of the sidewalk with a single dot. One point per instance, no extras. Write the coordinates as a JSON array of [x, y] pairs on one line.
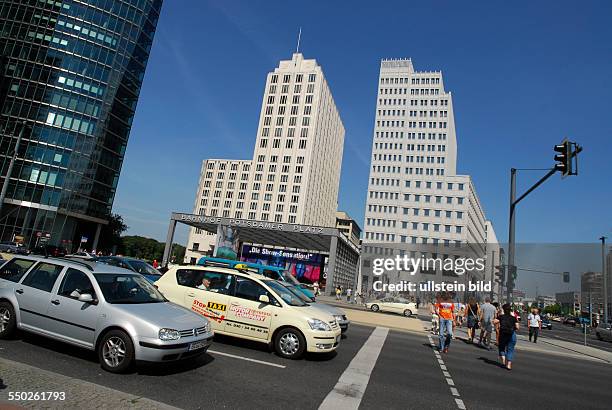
[[358, 314], [18, 377]]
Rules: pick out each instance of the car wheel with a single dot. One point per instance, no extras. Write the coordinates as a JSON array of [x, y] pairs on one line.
[[374, 308], [290, 343], [116, 351], [8, 322], [407, 312], [598, 335]]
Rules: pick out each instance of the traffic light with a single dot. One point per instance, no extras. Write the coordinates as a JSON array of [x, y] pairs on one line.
[[500, 274], [567, 157], [511, 277], [566, 277], [564, 158]]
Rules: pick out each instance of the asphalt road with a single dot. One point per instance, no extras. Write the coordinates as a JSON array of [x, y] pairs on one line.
[[407, 374]]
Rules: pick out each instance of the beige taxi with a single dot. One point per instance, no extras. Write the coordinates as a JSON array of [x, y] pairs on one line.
[[250, 306]]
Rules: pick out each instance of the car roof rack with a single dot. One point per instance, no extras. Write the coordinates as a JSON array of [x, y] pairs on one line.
[[76, 261], [229, 263], [225, 265]]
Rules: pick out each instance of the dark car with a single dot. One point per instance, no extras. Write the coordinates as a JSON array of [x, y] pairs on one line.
[[133, 264], [546, 323], [12, 247], [570, 320], [50, 250]]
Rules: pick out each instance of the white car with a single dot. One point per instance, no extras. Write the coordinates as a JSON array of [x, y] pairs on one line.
[[82, 255], [393, 305], [251, 306]]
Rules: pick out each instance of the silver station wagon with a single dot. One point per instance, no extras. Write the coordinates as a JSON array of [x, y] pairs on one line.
[[110, 310]]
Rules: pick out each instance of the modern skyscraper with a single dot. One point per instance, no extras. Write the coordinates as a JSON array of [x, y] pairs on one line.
[[414, 194], [295, 171], [72, 70]]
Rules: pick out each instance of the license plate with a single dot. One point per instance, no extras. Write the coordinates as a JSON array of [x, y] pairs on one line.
[[197, 345]]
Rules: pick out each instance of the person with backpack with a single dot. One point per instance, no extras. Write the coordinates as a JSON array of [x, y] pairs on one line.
[[508, 326]]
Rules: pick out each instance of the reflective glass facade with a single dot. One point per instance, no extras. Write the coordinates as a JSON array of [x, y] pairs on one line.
[[73, 70]]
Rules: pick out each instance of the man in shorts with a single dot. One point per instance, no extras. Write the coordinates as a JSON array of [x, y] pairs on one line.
[[487, 314]]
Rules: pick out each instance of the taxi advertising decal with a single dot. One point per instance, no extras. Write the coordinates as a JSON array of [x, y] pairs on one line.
[[208, 312], [248, 313], [217, 306]]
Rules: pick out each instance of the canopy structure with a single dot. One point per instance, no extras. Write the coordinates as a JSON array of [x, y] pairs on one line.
[[343, 262]]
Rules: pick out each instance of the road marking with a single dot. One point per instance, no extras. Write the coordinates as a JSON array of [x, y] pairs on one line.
[[352, 384], [447, 376], [248, 359]]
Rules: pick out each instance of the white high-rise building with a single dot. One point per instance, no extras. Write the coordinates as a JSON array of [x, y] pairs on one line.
[[295, 171], [414, 194]]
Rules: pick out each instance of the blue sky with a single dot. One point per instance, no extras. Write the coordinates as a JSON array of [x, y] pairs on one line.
[[524, 75]]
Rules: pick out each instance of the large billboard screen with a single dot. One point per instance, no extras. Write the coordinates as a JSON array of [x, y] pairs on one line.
[[306, 267]]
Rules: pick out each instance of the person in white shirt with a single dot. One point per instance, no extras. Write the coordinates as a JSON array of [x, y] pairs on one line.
[[535, 324], [205, 285]]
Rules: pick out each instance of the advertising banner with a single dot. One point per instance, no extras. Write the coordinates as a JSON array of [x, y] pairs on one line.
[[304, 266]]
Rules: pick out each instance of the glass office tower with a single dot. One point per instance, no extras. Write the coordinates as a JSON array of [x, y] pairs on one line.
[[70, 72]]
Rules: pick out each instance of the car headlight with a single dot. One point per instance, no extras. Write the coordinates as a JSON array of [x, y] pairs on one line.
[[169, 334], [316, 324]]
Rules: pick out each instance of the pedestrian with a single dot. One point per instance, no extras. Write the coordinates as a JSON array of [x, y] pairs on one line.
[[435, 319], [487, 314], [315, 287], [155, 264], [498, 313], [472, 312], [460, 314], [508, 325], [445, 310], [338, 292], [348, 294], [535, 324]]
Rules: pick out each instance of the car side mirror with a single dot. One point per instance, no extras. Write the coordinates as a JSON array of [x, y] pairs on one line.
[[87, 298], [264, 298]]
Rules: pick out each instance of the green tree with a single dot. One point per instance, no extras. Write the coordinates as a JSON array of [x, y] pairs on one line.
[[110, 235], [148, 249], [553, 309]]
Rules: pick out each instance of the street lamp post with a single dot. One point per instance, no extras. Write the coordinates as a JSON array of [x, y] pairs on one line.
[[604, 273], [10, 167]]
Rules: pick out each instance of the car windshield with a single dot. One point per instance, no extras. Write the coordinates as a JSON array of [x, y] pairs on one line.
[[293, 289], [285, 294], [127, 289], [280, 275], [143, 268]]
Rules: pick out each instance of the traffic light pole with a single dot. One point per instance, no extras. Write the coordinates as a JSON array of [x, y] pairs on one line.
[[511, 271], [509, 287], [604, 274]]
